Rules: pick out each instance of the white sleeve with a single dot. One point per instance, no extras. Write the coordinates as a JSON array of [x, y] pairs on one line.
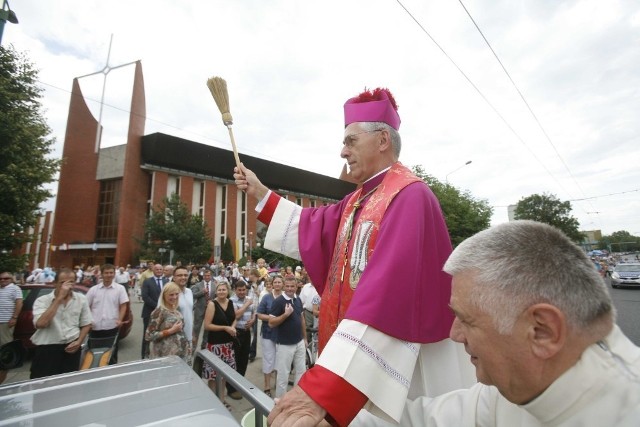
[[377, 364], [389, 371], [458, 408], [282, 234]]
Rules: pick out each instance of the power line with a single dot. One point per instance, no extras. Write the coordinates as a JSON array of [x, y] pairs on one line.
[[484, 98], [218, 143], [603, 195], [586, 198], [535, 117]]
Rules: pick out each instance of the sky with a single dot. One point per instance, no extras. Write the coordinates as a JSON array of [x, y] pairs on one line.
[[564, 118]]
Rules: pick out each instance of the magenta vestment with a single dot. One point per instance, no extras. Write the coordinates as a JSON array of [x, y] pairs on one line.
[[403, 291]]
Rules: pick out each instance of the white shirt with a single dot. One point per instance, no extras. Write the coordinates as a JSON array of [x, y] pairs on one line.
[[122, 278], [65, 325], [185, 306], [306, 296], [104, 303]]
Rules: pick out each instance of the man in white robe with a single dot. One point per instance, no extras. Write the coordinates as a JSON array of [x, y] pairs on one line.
[[538, 322]]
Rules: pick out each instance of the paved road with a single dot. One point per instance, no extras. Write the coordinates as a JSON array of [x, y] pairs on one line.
[[627, 302]]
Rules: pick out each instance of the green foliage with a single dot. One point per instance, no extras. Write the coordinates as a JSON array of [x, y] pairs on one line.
[[464, 214], [271, 258], [227, 255], [24, 147], [620, 241], [547, 208], [173, 227]]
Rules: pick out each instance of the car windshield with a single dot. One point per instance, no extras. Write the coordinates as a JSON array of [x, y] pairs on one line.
[[628, 268]]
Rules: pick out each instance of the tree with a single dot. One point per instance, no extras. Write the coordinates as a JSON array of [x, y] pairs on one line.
[[548, 209], [273, 259], [620, 241], [172, 227], [24, 163], [226, 255], [464, 214]]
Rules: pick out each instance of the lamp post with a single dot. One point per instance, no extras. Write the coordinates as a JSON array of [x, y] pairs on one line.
[[446, 178], [162, 251], [6, 15]]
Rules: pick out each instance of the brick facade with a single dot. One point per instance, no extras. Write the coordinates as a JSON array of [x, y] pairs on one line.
[[135, 181], [78, 189]]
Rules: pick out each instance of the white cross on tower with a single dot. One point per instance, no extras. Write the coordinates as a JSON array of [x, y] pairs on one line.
[[105, 71]]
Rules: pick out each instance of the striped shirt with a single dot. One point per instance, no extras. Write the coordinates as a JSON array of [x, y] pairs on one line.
[[8, 297], [248, 314]]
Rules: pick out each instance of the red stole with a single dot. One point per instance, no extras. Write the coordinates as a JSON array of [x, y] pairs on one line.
[[345, 272]]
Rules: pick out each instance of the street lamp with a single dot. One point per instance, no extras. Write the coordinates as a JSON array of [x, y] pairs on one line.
[[162, 251], [6, 15], [446, 178]]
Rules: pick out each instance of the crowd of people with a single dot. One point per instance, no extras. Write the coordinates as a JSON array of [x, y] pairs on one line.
[[219, 307]]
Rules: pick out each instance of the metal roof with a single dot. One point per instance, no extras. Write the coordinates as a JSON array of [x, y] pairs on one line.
[[159, 392], [179, 154]]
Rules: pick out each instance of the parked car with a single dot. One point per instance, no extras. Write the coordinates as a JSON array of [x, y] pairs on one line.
[[626, 274], [30, 292]]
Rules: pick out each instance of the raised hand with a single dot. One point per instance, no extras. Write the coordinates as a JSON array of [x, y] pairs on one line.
[[248, 182]]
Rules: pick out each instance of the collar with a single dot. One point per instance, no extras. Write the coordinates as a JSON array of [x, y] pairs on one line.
[[102, 285], [374, 180], [379, 173], [287, 297], [586, 377]]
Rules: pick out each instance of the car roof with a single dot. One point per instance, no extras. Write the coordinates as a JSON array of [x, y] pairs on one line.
[[159, 392], [629, 264]]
